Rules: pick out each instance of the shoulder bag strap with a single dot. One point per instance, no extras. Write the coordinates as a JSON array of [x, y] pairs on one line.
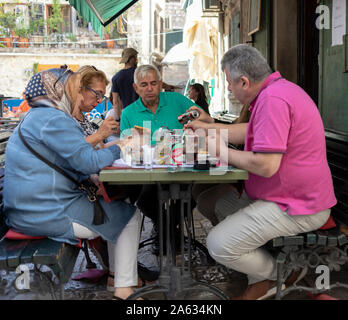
[[49, 163], [99, 214]]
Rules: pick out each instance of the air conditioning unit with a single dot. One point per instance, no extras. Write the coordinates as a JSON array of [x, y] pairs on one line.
[[212, 6]]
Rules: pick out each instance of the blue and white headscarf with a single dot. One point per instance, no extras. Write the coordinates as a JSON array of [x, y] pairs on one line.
[[48, 89]]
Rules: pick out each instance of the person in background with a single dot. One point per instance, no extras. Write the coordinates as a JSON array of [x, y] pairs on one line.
[[122, 91], [197, 94], [23, 107], [56, 208], [161, 109], [7, 113]]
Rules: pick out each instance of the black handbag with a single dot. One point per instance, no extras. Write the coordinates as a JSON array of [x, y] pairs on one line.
[[86, 185]]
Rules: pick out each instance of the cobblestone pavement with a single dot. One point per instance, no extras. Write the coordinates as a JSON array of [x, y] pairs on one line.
[[230, 282]]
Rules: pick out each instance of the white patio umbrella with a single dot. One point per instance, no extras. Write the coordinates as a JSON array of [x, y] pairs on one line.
[[200, 40], [177, 54]]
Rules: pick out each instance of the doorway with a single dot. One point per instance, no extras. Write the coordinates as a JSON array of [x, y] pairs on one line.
[[308, 48]]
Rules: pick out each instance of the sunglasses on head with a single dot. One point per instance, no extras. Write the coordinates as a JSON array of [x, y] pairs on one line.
[[67, 70]]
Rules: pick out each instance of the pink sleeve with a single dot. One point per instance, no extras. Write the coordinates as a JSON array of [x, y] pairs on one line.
[[271, 126]]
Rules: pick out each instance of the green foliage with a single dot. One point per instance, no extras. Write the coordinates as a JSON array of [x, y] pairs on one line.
[[56, 19], [35, 24], [35, 68], [72, 37], [7, 21], [22, 32], [113, 29]]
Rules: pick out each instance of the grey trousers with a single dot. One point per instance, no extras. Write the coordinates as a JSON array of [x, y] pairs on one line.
[[235, 242]]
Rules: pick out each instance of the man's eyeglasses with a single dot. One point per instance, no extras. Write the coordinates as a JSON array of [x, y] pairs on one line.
[[98, 95]]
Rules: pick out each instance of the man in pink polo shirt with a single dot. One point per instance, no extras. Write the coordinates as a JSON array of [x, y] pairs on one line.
[[290, 189]]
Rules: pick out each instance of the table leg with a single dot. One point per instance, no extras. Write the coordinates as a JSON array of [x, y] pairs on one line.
[[175, 282]]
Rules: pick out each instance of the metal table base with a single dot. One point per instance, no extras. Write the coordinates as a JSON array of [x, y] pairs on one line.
[[175, 281]]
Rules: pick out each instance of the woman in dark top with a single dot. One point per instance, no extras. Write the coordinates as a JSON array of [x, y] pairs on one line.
[[197, 94]]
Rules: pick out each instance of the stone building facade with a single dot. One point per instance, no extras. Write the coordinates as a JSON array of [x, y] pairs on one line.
[[16, 68]]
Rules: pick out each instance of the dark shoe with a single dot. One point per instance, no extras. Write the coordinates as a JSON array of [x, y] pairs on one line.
[[147, 275], [259, 291], [100, 250]]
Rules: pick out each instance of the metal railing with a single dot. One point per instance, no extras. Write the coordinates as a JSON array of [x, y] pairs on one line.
[[61, 41]]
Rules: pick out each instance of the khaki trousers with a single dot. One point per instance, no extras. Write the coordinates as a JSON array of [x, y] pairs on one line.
[[235, 242]]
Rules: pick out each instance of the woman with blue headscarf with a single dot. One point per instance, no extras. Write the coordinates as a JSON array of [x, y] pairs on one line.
[[39, 201]]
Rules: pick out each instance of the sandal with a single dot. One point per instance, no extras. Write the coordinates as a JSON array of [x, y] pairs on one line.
[[111, 288]]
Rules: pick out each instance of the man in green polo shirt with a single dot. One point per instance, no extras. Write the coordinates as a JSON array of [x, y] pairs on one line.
[[154, 109]]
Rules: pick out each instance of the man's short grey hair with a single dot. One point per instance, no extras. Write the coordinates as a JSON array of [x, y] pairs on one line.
[[142, 71], [244, 60]]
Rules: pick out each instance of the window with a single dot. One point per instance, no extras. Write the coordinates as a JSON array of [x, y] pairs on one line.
[[37, 19], [235, 30], [161, 35], [156, 30], [64, 27]]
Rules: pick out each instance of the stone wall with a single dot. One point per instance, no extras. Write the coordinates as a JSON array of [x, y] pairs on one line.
[[16, 68]]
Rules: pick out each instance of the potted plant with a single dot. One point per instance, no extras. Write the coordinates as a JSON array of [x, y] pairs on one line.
[[5, 38], [23, 34], [109, 44], [7, 24]]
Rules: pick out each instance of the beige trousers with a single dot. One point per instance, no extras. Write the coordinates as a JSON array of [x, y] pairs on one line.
[[235, 242]]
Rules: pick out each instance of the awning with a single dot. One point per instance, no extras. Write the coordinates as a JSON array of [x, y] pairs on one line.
[[101, 12]]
